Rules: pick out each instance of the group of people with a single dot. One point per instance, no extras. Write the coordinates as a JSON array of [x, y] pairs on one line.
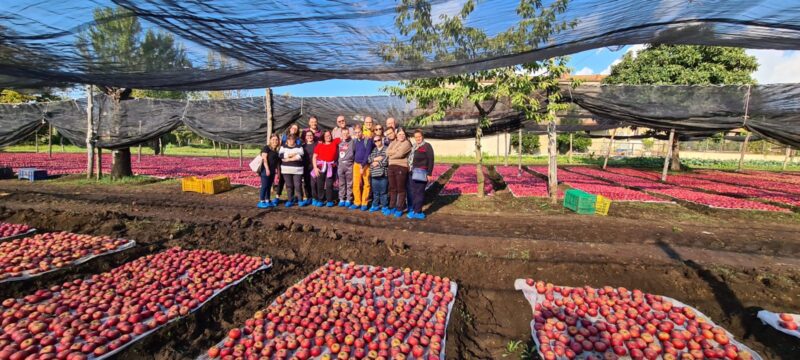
[[378, 168]]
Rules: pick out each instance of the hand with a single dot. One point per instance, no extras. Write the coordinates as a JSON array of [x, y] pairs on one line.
[[430, 178]]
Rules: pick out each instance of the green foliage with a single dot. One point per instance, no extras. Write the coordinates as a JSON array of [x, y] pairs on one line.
[[8, 96], [686, 65], [580, 142], [530, 142], [648, 144]]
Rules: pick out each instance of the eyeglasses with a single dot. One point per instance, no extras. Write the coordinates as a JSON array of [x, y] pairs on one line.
[[377, 141]]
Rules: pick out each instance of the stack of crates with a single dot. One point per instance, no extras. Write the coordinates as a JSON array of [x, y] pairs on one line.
[[580, 201], [602, 204], [212, 185], [32, 174]]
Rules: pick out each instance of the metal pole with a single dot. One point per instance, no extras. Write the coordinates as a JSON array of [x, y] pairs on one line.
[[742, 150], [89, 133], [50, 141], [668, 156], [608, 151]]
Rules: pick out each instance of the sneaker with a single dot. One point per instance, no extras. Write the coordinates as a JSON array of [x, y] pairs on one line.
[[301, 203], [262, 205], [419, 216], [348, 204], [374, 209], [329, 204], [364, 208], [386, 211], [411, 215], [354, 207], [341, 203], [275, 201], [397, 213], [289, 203]]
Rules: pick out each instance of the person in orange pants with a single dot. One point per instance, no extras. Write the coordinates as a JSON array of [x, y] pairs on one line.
[[362, 146]]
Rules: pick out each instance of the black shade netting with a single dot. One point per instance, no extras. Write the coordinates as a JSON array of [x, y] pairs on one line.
[[19, 121], [772, 111], [226, 44]]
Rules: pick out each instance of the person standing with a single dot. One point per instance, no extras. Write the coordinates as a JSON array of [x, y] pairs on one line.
[[309, 183], [367, 128], [269, 169], [421, 173], [398, 152], [292, 170], [362, 147], [379, 164], [294, 129], [313, 126], [341, 125], [325, 168], [345, 168], [391, 123]]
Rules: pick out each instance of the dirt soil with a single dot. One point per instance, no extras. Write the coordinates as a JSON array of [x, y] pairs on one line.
[[728, 265]]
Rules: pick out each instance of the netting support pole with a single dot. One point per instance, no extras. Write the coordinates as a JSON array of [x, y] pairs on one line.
[[61, 139], [608, 151], [229, 150], [99, 163], [786, 158], [742, 151], [569, 158], [36, 139], [89, 133], [507, 144], [241, 156], [552, 160], [50, 141], [139, 154], [268, 110], [668, 156], [519, 152], [214, 145]]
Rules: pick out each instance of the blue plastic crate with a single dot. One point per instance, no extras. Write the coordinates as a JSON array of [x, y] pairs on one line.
[[32, 174]]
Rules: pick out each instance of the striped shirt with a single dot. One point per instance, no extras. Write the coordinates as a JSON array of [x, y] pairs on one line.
[[294, 166]]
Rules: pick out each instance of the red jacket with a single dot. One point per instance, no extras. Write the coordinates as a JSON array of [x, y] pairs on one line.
[[327, 152]]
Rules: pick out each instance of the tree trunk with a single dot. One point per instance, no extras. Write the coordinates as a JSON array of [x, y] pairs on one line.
[[229, 150], [552, 162], [786, 158], [36, 139], [610, 146], [121, 165], [742, 151], [569, 159], [139, 154], [89, 132], [50, 141], [99, 163], [479, 158], [675, 163], [667, 157], [519, 152]]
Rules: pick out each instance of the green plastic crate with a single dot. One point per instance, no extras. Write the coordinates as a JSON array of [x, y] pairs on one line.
[[580, 201]]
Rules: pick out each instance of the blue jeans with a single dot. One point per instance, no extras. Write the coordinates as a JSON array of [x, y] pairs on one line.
[[380, 191], [266, 184]]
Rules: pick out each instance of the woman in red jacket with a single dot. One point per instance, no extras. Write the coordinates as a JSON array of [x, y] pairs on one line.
[[324, 162]]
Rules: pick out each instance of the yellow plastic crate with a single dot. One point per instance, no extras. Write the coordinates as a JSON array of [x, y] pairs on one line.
[[192, 184], [215, 185], [602, 204]]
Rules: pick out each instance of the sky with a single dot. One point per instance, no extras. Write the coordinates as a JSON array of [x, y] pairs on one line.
[[775, 66]]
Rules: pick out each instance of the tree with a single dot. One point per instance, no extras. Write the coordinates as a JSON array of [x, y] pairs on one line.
[[116, 41], [580, 142], [530, 142], [684, 65], [527, 87]]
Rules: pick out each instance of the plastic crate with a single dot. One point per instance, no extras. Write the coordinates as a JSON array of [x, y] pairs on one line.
[[192, 184], [601, 205], [32, 174], [580, 201], [215, 185]]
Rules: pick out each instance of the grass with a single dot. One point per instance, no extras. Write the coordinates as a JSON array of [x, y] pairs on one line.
[[81, 180], [193, 150]]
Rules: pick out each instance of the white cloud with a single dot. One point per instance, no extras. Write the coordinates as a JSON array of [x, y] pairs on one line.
[[607, 70], [777, 66], [585, 71], [633, 49], [450, 8]]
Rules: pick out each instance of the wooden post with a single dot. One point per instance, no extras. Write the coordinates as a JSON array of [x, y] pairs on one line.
[[668, 156], [569, 158], [216, 149], [89, 133], [268, 110], [552, 166], [229, 150], [99, 163], [519, 152], [61, 139], [139, 154], [36, 139], [786, 158], [610, 145], [50, 141], [241, 156], [742, 150]]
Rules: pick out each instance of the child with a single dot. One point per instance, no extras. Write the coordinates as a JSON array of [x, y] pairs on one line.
[[379, 169]]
